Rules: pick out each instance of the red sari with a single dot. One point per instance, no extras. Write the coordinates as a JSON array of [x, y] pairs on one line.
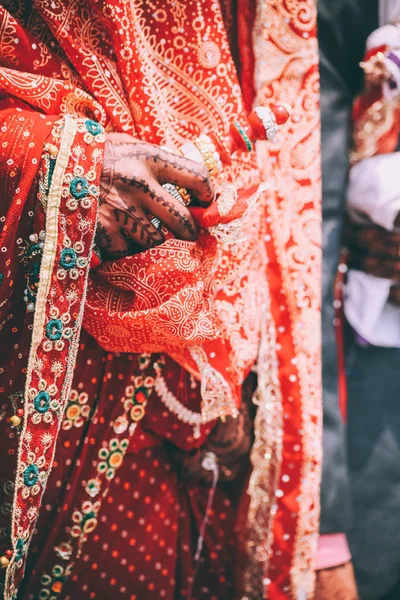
[[94, 485]]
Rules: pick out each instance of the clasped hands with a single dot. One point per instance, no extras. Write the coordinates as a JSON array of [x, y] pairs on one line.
[[131, 190]]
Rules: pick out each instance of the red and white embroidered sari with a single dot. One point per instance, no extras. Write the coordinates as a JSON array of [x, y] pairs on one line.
[[94, 499]]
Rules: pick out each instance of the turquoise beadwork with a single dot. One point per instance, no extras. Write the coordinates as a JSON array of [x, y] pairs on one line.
[[31, 475], [54, 330], [243, 135], [68, 258], [79, 188], [93, 127], [42, 402]]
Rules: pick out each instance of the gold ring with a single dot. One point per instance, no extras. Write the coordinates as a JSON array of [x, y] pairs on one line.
[[180, 194], [187, 198]]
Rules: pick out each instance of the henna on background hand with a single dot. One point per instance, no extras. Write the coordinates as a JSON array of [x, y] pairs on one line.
[[168, 160], [126, 213], [140, 225], [102, 238], [230, 441], [146, 189], [104, 241], [373, 250]]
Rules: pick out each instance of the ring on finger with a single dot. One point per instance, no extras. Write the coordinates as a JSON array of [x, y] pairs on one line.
[[180, 194]]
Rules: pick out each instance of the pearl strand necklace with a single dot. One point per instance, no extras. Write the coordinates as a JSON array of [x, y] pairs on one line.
[[174, 406], [195, 419]]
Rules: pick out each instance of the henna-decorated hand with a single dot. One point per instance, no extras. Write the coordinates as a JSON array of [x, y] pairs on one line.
[[375, 251], [131, 190]]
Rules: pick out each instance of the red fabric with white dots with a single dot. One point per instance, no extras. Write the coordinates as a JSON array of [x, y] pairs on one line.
[[146, 517], [147, 528]]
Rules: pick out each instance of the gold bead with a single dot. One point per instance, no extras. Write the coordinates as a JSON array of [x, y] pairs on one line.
[[52, 150], [15, 421], [4, 562]]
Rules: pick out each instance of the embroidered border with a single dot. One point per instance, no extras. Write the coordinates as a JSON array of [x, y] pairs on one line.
[[266, 458], [286, 70], [110, 457], [57, 323]]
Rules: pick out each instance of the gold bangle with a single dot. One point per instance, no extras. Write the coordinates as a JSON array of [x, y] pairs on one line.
[[211, 157], [242, 133]]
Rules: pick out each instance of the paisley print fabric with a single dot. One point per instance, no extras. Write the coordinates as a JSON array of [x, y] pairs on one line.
[[92, 435], [286, 69]]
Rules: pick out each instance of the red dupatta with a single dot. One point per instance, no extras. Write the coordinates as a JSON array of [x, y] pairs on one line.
[[155, 77]]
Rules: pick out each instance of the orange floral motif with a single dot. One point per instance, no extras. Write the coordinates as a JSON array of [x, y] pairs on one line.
[[77, 410]]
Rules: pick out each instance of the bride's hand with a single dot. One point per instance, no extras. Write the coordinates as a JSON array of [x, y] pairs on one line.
[[131, 190]]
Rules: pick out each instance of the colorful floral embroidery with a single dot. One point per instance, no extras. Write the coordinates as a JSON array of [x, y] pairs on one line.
[[135, 400], [79, 188], [82, 189], [68, 258], [64, 550], [65, 249], [93, 487], [54, 583], [54, 329], [111, 457], [44, 405], [93, 127], [85, 520], [77, 410], [20, 549], [58, 329], [42, 402], [72, 260], [31, 475]]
